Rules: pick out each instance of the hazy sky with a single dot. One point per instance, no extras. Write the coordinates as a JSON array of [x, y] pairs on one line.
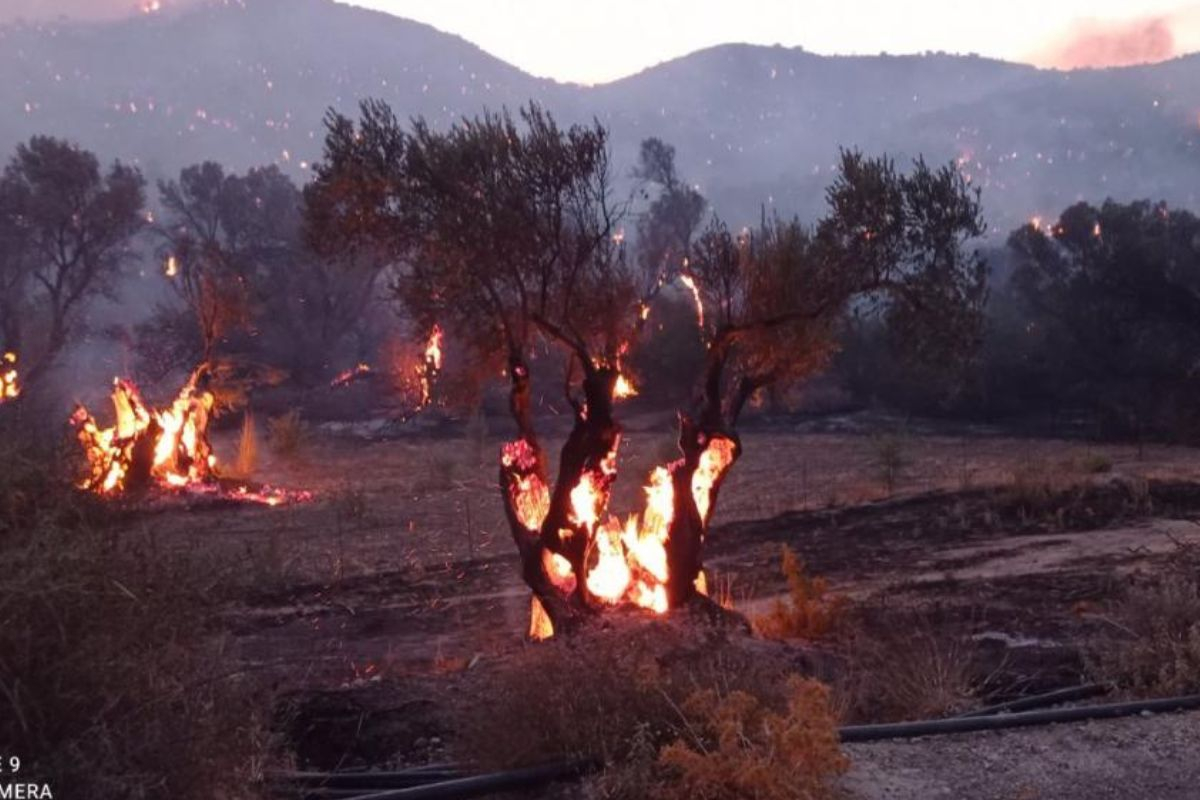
[[592, 41]]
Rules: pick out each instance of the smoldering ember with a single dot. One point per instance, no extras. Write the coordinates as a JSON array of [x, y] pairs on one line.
[[456, 400]]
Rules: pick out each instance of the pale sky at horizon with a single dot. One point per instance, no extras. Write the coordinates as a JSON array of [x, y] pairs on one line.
[[590, 42], [593, 41]]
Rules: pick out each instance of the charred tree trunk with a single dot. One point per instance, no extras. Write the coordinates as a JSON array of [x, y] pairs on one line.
[[590, 450], [710, 446]]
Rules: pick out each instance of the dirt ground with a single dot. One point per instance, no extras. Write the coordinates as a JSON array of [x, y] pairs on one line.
[[400, 573], [1148, 757]]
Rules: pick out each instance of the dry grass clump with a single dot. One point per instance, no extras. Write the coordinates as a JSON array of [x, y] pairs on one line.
[[890, 450], [1094, 464], [288, 434], [734, 747], [1153, 647], [110, 684], [901, 667], [651, 698], [810, 611], [246, 462]]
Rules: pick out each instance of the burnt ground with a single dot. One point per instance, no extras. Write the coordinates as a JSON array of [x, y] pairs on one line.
[[374, 607]]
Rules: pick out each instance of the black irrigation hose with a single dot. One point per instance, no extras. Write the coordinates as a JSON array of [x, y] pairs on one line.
[[477, 785], [1068, 695], [428, 783], [907, 730], [369, 780]]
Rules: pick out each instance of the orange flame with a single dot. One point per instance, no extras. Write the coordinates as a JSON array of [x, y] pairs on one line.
[[433, 348], [540, 626], [10, 381], [715, 459], [624, 388], [432, 365]]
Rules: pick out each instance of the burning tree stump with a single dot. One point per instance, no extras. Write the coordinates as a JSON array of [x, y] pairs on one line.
[[147, 448]]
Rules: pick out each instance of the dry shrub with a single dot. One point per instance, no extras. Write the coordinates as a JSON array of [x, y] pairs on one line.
[[593, 693], [111, 685], [1094, 464], [901, 667], [288, 434], [735, 747], [810, 611], [1153, 647]]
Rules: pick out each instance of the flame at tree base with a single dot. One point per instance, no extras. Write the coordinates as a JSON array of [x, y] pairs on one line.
[[626, 563], [165, 449]]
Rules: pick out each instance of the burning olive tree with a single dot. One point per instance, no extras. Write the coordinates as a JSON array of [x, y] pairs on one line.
[[770, 301], [505, 231]]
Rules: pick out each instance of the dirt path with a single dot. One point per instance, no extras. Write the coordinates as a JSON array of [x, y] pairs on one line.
[[1128, 759]]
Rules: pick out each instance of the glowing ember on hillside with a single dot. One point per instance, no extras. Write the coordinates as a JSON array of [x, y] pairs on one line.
[[349, 376], [167, 448], [10, 381], [626, 563], [690, 282]]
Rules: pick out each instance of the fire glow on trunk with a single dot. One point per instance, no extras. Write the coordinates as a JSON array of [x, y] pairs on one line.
[[10, 383]]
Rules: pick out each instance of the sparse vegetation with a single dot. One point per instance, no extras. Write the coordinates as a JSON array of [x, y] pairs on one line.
[[476, 433], [350, 504], [112, 682], [288, 434], [903, 667], [1152, 646], [1094, 464], [891, 457], [438, 476]]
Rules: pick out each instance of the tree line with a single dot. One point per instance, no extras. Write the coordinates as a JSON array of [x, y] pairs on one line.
[[510, 230]]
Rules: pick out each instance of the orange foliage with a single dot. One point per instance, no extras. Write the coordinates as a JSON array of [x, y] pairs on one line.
[[810, 612]]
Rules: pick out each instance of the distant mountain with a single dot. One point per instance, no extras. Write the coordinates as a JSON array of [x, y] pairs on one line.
[[248, 82]]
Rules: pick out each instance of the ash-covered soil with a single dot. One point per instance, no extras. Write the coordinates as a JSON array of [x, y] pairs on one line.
[[376, 606]]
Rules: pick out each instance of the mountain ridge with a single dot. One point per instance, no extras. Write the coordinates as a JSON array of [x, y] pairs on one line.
[[248, 83]]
